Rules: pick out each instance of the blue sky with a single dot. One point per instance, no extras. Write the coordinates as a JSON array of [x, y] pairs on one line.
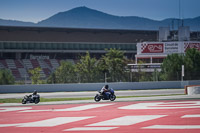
[[37, 10]]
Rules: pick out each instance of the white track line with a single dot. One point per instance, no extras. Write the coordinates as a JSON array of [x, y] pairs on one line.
[[173, 127], [48, 122], [127, 120], [90, 128], [6, 109], [163, 105], [190, 116]]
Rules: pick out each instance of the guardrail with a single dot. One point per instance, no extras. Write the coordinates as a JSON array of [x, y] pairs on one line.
[[95, 86]]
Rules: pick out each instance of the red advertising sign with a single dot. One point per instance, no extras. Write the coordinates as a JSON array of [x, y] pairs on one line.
[[152, 48], [190, 45]]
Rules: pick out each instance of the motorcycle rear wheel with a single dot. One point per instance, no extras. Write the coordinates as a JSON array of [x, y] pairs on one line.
[[23, 101], [97, 98]]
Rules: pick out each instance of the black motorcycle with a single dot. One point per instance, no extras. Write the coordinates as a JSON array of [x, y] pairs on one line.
[[31, 99], [101, 96]]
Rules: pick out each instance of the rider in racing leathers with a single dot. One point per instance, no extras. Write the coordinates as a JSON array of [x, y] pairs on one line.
[[34, 95], [105, 91]]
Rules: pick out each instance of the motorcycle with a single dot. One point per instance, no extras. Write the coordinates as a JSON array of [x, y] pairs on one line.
[[31, 99], [100, 96]]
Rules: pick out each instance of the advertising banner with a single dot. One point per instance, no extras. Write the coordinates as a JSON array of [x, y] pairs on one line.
[[188, 45], [172, 47], [152, 48]]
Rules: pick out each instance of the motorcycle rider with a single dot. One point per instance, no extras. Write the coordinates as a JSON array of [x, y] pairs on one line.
[[34, 95], [105, 91]]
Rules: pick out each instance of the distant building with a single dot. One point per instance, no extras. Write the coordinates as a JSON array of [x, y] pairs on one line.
[[152, 54], [24, 48]]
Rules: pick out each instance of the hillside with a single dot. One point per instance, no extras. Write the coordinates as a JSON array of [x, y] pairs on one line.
[[83, 17]]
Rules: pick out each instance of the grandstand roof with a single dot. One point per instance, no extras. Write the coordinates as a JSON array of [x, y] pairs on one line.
[[47, 34]]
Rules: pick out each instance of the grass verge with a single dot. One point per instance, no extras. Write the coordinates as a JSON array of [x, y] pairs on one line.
[[13, 100]]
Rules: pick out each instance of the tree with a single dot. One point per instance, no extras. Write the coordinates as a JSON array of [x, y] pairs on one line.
[[6, 78], [65, 73], [52, 78], [192, 64], [155, 75], [35, 75], [171, 67], [103, 68], [87, 68], [90, 69], [142, 75], [115, 63]]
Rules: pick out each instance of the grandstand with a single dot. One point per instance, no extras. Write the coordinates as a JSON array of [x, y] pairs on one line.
[[24, 48]]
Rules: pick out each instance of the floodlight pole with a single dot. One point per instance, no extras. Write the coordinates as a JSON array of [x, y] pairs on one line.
[[105, 77], [182, 74]]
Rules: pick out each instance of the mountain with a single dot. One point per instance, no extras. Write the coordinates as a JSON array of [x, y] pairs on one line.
[[83, 17], [15, 23]]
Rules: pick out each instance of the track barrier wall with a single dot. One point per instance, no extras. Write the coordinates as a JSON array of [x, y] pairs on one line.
[[95, 86], [192, 89]]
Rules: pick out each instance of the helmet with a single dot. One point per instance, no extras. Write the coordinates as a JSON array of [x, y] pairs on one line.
[[34, 92], [106, 86]]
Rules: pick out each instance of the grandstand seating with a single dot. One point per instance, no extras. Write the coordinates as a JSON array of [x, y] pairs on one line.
[[1, 65], [10, 63], [54, 63], [20, 68], [47, 61], [35, 63], [18, 64], [27, 64], [23, 72], [4, 64], [15, 73]]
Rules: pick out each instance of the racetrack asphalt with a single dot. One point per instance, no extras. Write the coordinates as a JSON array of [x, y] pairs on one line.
[[169, 116], [151, 95], [93, 93]]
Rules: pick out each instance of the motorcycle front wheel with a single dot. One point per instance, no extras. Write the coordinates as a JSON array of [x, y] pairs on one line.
[[97, 98], [112, 97], [37, 100]]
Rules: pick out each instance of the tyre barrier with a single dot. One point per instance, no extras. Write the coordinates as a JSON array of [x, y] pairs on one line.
[[192, 89]]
